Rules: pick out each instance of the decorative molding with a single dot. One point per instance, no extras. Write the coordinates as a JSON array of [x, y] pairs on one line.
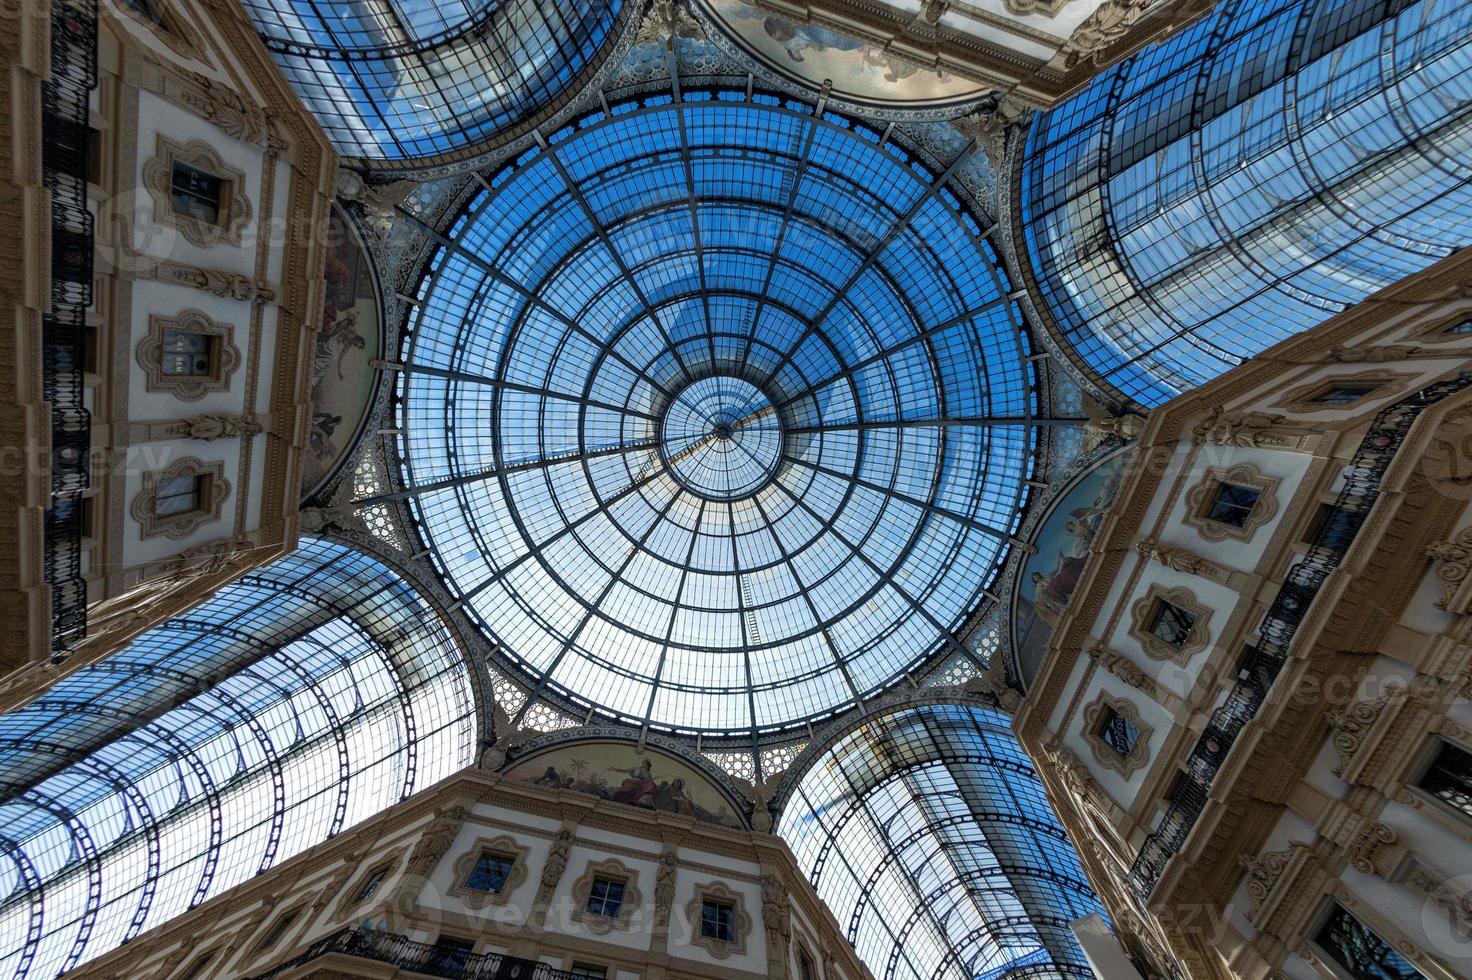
[[989, 124], [1122, 667], [1201, 496], [1022, 8], [208, 428], [1182, 560], [776, 915], [1143, 611], [235, 207], [435, 840], [615, 870], [1453, 564], [150, 354], [1263, 873], [1244, 430], [664, 21], [1300, 399], [1352, 725], [1107, 25], [1373, 355], [144, 507], [554, 865], [174, 32], [1105, 754], [232, 115], [716, 891], [1438, 890], [227, 285], [347, 900], [1366, 843]]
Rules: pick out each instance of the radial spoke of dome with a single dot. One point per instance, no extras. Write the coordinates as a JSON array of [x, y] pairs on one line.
[[525, 389], [799, 173], [983, 421], [884, 355], [819, 623], [746, 641], [531, 464], [575, 191], [633, 552], [669, 630], [816, 323], [535, 550], [685, 156], [896, 493], [530, 297], [886, 577]]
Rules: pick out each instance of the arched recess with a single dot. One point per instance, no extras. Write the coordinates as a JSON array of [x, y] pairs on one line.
[[295, 702], [1244, 180], [423, 81], [927, 831]]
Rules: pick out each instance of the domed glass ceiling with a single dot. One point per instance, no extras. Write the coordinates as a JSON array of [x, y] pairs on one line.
[[716, 414]]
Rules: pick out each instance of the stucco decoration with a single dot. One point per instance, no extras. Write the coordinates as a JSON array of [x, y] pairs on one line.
[[213, 491], [1095, 716], [714, 891], [1142, 615], [235, 207], [1199, 500], [224, 356]]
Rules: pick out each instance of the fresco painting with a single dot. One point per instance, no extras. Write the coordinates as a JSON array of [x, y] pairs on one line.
[[618, 772], [347, 343], [859, 70], [1048, 578]]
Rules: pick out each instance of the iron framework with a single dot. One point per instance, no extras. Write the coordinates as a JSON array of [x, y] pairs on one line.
[[419, 958]]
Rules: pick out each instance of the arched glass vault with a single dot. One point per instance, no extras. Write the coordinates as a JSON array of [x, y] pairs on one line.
[[297, 701], [1245, 179], [717, 414], [927, 832], [406, 79]]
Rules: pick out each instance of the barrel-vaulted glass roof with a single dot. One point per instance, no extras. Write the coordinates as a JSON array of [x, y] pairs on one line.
[[927, 831], [716, 413], [1247, 178], [401, 79], [304, 697]]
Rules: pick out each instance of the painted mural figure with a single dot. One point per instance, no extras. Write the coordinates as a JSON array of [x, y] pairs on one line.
[[634, 781]]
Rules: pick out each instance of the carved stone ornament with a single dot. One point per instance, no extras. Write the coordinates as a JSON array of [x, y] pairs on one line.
[[989, 123], [1247, 430], [664, 887], [1109, 22], [215, 488], [555, 864], [171, 30], [340, 512], [1263, 873], [1121, 666], [993, 681], [225, 356], [615, 870], [1441, 893], [232, 115], [761, 796], [235, 208], [380, 197], [1179, 559], [1123, 427], [211, 427], [715, 891], [1366, 843], [1200, 498], [1453, 563], [1352, 724], [509, 737], [776, 914], [435, 839], [1105, 754], [1373, 355], [1022, 8], [664, 21], [1142, 613], [228, 285]]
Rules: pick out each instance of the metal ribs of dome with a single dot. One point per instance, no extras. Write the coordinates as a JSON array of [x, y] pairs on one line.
[[413, 79], [716, 240]]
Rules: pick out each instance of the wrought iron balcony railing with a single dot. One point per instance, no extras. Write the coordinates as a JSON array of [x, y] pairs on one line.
[[421, 958], [64, 170], [1332, 540]]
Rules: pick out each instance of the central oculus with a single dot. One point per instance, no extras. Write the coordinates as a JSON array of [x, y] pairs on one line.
[[721, 438]]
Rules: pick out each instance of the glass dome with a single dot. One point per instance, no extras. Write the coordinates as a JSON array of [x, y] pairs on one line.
[[405, 79], [716, 414]]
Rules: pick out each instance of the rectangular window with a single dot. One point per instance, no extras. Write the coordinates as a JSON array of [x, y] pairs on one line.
[[718, 921], [277, 930], [805, 969], [1171, 624], [179, 495], [449, 956], [606, 897], [1449, 777], [94, 155], [1364, 955], [371, 883], [87, 511], [189, 355], [586, 971], [1117, 732], [196, 194], [1343, 394], [197, 968], [490, 872], [1232, 504], [1461, 326]]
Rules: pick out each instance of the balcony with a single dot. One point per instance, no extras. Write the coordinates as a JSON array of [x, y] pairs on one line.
[[416, 959]]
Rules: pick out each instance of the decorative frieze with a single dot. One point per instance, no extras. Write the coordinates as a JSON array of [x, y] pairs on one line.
[[1246, 430], [1367, 843], [1453, 561], [1183, 560]]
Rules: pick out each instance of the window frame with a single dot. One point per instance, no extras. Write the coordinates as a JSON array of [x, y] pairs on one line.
[[1203, 496], [235, 208], [502, 845], [718, 892], [225, 357], [608, 870]]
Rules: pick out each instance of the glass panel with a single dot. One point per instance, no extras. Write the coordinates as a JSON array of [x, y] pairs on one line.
[[1449, 778], [1362, 953], [1171, 623], [179, 495], [196, 194], [1233, 504], [1117, 732], [187, 354], [717, 921], [605, 897], [490, 872], [1344, 394]]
